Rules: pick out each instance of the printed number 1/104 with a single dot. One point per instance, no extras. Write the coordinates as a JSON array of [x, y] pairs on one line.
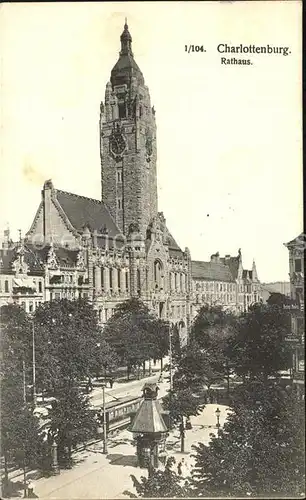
[[194, 48]]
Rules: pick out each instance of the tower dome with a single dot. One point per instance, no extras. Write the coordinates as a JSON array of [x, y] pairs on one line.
[[126, 67]]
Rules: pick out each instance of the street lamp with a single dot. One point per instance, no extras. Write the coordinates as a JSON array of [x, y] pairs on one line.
[[54, 465], [104, 412], [34, 365], [218, 412], [104, 421]]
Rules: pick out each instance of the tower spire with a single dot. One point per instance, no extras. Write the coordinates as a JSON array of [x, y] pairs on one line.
[[126, 41]]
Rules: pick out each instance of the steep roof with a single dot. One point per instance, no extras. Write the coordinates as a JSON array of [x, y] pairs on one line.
[[171, 241], [65, 257], [232, 263], [31, 258], [148, 418], [298, 241], [126, 67], [211, 271], [82, 211]]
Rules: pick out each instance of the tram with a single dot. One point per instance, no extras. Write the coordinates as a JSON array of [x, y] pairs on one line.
[[118, 413]]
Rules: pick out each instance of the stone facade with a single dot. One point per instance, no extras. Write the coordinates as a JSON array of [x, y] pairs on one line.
[[121, 247], [22, 278], [296, 249], [223, 281]]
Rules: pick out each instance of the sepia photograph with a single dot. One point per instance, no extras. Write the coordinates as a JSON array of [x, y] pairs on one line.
[[151, 250]]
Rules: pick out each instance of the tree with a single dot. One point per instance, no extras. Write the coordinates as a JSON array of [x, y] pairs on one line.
[[162, 484], [181, 403], [160, 339], [195, 368], [260, 450], [212, 331], [258, 349], [20, 433], [70, 422], [278, 299], [134, 333], [70, 344]]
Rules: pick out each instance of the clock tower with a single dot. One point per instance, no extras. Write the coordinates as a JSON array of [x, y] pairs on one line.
[[128, 144]]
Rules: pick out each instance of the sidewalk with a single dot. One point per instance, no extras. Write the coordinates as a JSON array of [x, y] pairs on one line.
[[107, 476]]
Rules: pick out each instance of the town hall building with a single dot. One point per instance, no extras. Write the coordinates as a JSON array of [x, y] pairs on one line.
[[119, 247]]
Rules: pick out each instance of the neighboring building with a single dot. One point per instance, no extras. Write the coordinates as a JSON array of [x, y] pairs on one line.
[[21, 276], [267, 289], [223, 281], [121, 247], [296, 249]]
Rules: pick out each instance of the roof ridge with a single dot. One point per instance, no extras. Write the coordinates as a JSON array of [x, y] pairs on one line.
[[80, 196], [208, 262]]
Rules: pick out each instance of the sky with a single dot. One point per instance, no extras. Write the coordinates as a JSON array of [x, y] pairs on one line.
[[229, 137]]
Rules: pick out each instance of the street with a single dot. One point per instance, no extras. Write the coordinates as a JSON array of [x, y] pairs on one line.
[[107, 476]]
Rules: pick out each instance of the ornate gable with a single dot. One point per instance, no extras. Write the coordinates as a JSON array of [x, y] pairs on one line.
[[52, 262]]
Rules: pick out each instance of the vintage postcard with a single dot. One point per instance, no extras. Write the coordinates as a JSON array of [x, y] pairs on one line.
[[152, 270]]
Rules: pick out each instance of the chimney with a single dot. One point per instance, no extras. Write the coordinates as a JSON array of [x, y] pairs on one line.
[[47, 194], [215, 257], [6, 239]]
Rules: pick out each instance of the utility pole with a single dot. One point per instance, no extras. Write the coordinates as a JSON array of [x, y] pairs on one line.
[[24, 383], [34, 365], [170, 356], [104, 422], [23, 444]]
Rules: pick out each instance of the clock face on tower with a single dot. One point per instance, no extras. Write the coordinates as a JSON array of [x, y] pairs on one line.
[[117, 144]]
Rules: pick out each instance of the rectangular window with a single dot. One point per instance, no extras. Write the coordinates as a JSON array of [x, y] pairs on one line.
[[31, 307], [119, 203], [122, 110], [127, 280], [102, 278], [110, 278], [298, 265], [119, 279], [6, 286], [40, 287], [119, 175]]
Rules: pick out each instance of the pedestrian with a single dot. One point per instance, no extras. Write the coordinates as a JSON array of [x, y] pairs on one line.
[[111, 382], [179, 468], [30, 489]]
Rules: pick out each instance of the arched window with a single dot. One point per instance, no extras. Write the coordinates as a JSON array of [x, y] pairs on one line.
[[158, 274]]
